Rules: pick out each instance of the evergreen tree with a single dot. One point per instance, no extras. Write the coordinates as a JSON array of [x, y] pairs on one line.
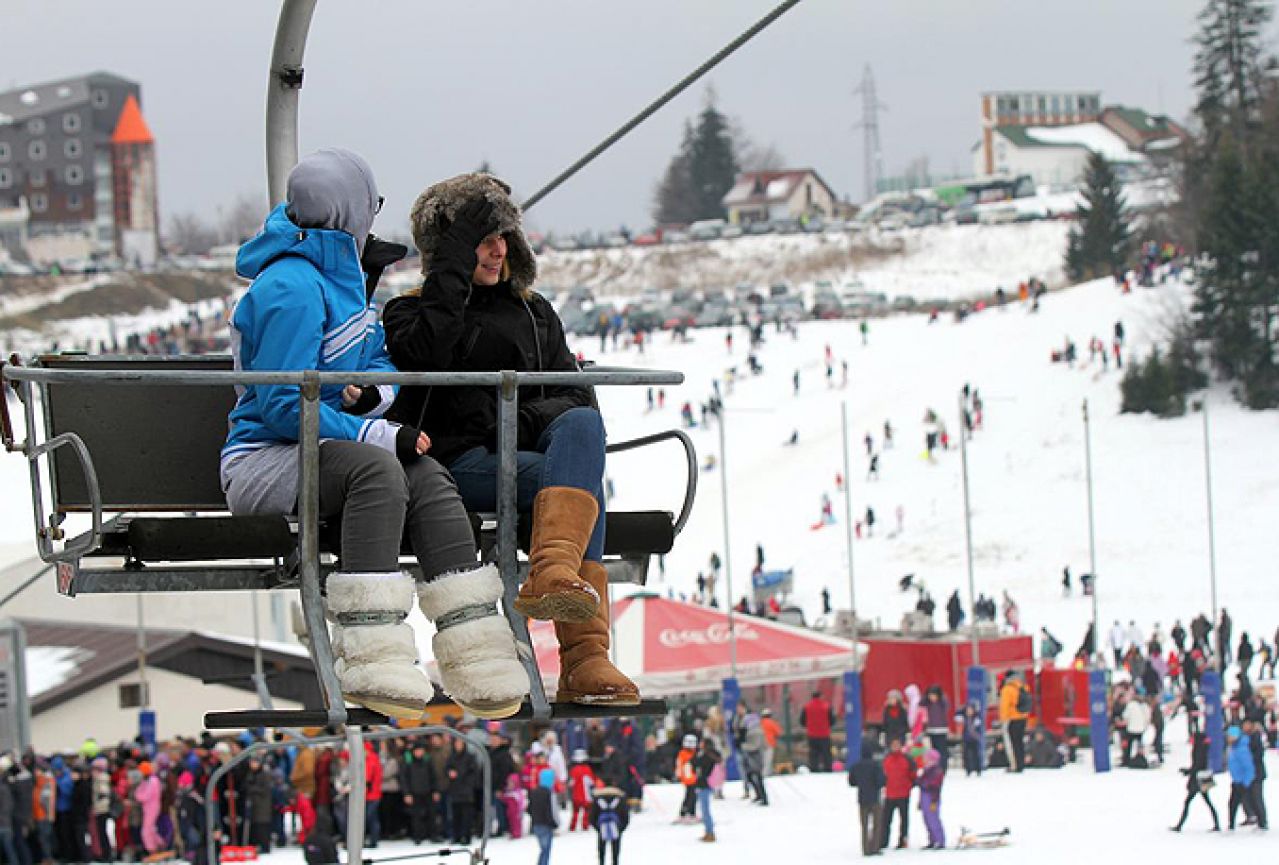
[[713, 162], [1233, 173], [701, 173], [1102, 241], [1228, 63], [674, 202]]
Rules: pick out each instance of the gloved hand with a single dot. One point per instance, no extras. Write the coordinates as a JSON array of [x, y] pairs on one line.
[[474, 222], [410, 444]]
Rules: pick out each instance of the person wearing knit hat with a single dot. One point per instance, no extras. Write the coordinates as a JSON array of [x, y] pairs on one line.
[[476, 311], [314, 268]]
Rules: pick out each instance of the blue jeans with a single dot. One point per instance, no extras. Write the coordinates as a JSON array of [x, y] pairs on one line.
[[372, 822], [570, 453], [545, 835], [704, 805], [6, 843]]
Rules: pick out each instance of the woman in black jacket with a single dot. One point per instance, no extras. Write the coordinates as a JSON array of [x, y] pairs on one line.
[[1198, 781], [476, 311], [464, 780]]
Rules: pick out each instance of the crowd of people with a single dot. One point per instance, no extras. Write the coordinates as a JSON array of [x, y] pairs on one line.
[[131, 802]]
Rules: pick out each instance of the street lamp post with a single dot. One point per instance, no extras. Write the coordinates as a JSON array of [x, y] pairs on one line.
[[1098, 716], [1092, 536], [968, 530], [1212, 535]]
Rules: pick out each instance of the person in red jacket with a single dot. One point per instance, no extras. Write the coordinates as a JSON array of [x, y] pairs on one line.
[[582, 782], [899, 778], [817, 718], [372, 794]]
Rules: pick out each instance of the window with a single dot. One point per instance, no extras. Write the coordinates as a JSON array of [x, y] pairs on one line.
[[1043, 105], [39, 203], [35, 126], [6, 178], [1056, 105], [36, 149], [5, 152], [37, 177], [71, 123], [74, 201], [75, 175], [71, 147], [101, 99]]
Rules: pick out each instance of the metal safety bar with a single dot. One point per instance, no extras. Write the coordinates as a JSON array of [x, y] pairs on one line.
[[354, 741], [309, 383]]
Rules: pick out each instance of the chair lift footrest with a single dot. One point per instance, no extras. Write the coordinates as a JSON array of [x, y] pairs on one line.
[[251, 718]]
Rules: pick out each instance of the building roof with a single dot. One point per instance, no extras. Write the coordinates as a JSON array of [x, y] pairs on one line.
[[34, 100], [67, 659], [131, 128], [1089, 136], [766, 187]]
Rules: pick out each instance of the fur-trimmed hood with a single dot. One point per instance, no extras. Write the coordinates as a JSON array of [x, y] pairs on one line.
[[436, 208]]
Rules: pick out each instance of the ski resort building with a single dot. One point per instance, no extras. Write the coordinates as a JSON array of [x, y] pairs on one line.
[[79, 157], [758, 196]]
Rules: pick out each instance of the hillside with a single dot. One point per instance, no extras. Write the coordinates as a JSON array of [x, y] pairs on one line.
[[948, 261]]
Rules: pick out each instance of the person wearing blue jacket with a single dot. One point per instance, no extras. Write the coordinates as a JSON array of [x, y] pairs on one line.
[[310, 308], [1243, 772]]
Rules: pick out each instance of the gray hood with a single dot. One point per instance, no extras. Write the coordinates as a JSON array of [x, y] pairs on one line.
[[333, 189], [436, 208]]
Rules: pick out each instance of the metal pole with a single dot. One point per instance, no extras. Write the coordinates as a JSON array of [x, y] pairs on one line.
[[1212, 535], [1092, 537], [284, 84], [728, 556], [968, 533], [356, 798], [848, 528], [142, 657]]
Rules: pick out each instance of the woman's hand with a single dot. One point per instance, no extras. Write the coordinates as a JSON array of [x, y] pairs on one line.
[[411, 443], [351, 395]]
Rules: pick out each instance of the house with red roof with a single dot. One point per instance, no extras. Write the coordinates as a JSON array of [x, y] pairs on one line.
[[791, 194]]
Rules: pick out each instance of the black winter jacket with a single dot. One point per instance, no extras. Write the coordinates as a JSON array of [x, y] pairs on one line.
[[867, 775], [456, 328], [462, 787], [419, 777]]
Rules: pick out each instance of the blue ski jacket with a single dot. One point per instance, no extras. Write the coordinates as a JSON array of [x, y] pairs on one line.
[[306, 309]]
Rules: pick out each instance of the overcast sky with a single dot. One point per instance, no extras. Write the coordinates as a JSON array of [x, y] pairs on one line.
[[426, 89]]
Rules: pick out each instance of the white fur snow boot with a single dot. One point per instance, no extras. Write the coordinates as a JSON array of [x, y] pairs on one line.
[[473, 644], [375, 649]]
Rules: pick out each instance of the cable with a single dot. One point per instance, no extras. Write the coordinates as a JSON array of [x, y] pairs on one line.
[[660, 101]]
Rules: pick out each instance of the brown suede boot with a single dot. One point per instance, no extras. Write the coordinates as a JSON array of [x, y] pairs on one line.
[[563, 519], [586, 674]]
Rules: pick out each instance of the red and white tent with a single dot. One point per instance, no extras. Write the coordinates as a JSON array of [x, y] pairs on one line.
[[669, 647]]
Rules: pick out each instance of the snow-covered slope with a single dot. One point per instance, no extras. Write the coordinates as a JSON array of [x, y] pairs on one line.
[[944, 262], [1026, 467]]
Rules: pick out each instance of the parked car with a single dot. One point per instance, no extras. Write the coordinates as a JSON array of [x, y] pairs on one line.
[[762, 226], [787, 225], [706, 229], [731, 231], [714, 315], [675, 237], [648, 238], [677, 316]]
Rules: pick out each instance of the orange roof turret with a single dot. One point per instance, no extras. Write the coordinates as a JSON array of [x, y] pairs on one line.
[[131, 128]]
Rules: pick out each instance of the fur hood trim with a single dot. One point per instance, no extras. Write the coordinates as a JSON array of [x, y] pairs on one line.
[[436, 208]]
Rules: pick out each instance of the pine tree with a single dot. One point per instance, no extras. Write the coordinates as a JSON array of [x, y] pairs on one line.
[[674, 202], [1235, 208], [713, 162], [700, 173], [1102, 241], [1228, 63]]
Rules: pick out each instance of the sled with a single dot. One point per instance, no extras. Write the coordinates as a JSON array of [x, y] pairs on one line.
[[970, 840]]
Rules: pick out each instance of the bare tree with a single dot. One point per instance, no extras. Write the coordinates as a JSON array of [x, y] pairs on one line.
[[190, 234], [241, 219]]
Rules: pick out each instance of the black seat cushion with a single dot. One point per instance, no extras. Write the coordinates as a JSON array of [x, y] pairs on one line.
[[192, 539]]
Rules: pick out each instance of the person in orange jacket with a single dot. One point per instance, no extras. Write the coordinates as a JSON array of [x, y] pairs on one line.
[[772, 733], [686, 774], [582, 782], [1015, 704]]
